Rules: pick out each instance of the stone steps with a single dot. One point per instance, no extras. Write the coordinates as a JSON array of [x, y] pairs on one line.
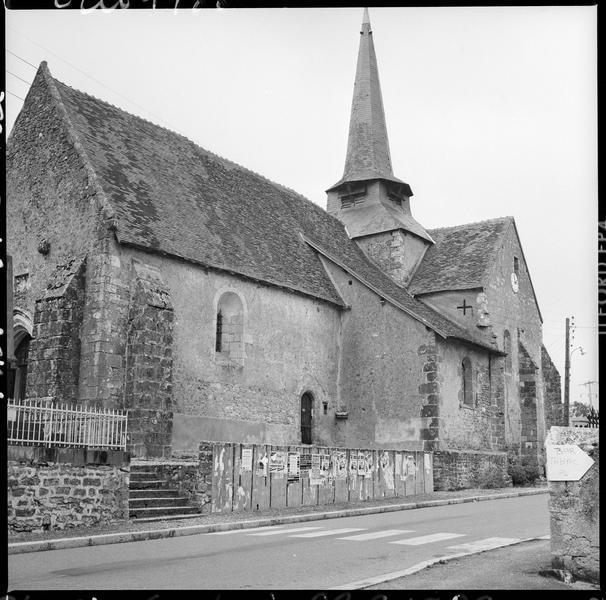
[[153, 493], [161, 512], [156, 502], [152, 499]]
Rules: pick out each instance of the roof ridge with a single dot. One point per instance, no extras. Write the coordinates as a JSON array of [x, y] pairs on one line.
[[219, 157], [483, 222]]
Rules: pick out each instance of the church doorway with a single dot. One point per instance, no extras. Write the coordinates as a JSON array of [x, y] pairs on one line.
[[306, 417]]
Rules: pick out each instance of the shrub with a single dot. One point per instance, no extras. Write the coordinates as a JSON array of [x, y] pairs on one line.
[[522, 473]]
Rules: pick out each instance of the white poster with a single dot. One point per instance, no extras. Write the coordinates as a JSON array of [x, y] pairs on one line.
[[247, 457]]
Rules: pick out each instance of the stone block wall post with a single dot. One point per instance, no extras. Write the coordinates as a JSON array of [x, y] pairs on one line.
[[431, 390], [54, 352], [574, 508]]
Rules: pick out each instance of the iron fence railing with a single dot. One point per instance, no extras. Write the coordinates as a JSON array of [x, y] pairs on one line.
[[44, 423]]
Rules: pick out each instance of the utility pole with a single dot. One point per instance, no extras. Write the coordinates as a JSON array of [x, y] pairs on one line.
[[566, 415], [588, 384]]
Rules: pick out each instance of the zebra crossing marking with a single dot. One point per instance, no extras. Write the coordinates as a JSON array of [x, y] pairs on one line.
[[284, 531], [246, 530], [328, 532], [376, 534], [427, 539], [485, 544]]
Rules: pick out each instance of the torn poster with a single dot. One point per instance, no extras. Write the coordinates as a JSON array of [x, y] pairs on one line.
[[293, 467], [247, 457], [277, 463], [315, 475], [262, 466], [339, 461]]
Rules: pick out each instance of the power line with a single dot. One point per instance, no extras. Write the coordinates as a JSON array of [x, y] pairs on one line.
[[15, 95], [95, 80], [25, 61], [21, 78]]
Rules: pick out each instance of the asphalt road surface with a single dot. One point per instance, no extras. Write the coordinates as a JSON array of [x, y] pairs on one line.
[[315, 555]]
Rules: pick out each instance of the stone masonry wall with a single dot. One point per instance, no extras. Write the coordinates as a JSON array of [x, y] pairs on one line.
[[53, 208], [574, 508], [478, 426], [552, 391], [396, 253], [148, 364], [54, 353], [46, 495], [528, 405], [454, 470]]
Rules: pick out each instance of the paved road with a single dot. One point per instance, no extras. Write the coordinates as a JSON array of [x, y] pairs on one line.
[[312, 555]]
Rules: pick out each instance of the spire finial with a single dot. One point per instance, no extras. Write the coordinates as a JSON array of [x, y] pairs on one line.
[[365, 18]]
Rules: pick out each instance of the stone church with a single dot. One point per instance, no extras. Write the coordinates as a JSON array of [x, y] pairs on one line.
[[152, 275]]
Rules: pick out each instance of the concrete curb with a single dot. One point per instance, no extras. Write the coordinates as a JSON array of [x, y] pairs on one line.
[[156, 534], [379, 579]]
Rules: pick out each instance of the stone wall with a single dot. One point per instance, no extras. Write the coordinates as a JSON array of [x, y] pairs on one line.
[[148, 364], [290, 345], [52, 489], [54, 352], [552, 391], [478, 425], [396, 253], [528, 374], [383, 361], [574, 508], [457, 470], [53, 207]]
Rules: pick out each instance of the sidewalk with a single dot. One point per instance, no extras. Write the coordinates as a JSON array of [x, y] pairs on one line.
[[523, 566], [127, 531]]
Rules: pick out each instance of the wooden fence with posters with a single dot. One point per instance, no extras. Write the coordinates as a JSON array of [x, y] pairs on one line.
[[249, 477]]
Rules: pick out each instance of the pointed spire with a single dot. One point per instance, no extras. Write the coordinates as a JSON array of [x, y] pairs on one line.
[[368, 155]]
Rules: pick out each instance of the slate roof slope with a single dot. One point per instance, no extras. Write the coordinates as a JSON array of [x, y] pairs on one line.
[[173, 197], [461, 256]]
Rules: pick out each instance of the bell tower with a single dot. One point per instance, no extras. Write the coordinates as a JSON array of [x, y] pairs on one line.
[[371, 202]]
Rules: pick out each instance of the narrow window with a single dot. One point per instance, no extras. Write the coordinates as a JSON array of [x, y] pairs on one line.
[[229, 334], [516, 265], [467, 382], [507, 349], [219, 333]]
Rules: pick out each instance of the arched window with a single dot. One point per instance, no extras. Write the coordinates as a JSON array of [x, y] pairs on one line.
[[229, 332], [507, 349], [467, 382]]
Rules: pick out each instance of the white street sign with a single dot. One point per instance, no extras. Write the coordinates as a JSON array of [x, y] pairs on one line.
[[567, 462]]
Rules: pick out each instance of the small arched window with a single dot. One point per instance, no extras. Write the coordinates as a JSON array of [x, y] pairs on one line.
[[467, 382], [229, 330], [507, 349]]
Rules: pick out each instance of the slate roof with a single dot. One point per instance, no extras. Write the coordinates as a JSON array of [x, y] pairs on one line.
[[173, 197], [368, 155], [461, 256]]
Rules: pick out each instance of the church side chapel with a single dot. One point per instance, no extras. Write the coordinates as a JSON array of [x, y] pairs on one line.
[[214, 304]]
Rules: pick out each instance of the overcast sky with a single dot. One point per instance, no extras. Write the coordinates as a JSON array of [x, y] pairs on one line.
[[490, 112]]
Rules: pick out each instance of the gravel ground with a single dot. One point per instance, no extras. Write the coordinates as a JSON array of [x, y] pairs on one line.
[[211, 519]]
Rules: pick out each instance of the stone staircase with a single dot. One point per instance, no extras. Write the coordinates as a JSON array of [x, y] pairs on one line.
[[151, 498]]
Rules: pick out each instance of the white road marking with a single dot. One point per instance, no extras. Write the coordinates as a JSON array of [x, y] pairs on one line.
[[376, 534], [272, 527], [427, 539], [329, 532], [485, 544], [284, 531]]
